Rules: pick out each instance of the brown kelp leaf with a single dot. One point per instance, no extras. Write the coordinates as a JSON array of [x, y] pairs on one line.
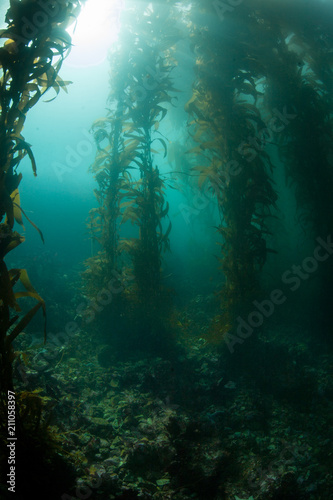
[[15, 196], [63, 84], [163, 144], [14, 275], [165, 210], [19, 295], [61, 35], [127, 245], [129, 214], [21, 144], [32, 223], [15, 240], [31, 292], [24, 322], [24, 278], [126, 204]]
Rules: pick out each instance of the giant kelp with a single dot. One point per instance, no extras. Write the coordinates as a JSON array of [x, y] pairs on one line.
[[224, 115], [150, 72], [112, 171], [262, 86], [30, 59], [299, 78], [263, 76], [130, 187]]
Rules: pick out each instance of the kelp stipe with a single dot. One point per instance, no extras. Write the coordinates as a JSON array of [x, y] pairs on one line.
[[151, 71], [131, 189], [224, 114], [299, 82], [112, 171], [266, 64]]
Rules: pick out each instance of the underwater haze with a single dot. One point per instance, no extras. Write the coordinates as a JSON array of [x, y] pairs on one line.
[[166, 255]]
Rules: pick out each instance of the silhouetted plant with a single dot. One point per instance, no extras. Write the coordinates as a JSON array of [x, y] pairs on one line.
[[30, 60]]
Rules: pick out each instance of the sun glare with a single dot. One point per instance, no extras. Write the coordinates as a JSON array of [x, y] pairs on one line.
[[96, 29]]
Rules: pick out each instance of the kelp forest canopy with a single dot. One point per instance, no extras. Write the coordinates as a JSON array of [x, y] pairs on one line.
[[259, 124]]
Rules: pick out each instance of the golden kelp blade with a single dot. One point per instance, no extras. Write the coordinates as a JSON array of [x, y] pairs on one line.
[[15, 196], [32, 223], [15, 240]]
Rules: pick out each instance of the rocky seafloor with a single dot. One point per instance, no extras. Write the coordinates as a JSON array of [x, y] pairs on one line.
[[203, 424]]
